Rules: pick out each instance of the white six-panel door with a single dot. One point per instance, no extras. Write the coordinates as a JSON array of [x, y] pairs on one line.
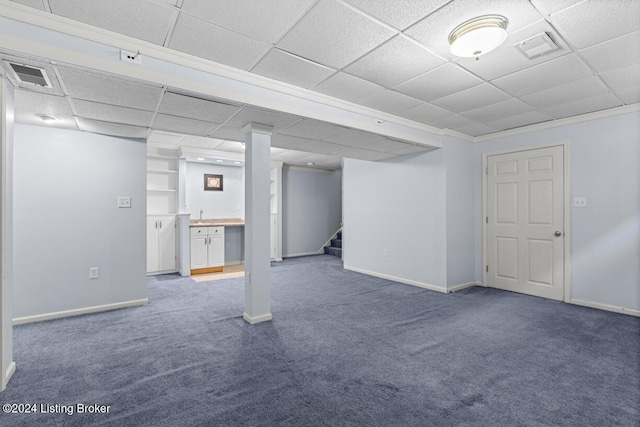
[[525, 222]]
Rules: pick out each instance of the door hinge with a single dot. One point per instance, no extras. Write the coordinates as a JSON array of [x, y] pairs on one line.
[[486, 171], [486, 268], [486, 220]]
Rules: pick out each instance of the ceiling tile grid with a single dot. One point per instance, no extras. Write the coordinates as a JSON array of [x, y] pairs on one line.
[[291, 69], [440, 82], [471, 98], [345, 86], [114, 129], [112, 113], [390, 101], [398, 13], [184, 125], [177, 104]]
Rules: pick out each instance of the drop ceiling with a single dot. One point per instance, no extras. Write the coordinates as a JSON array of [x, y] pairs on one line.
[[389, 55]]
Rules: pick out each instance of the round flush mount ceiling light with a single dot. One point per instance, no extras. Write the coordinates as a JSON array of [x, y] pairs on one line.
[[478, 36], [46, 118]]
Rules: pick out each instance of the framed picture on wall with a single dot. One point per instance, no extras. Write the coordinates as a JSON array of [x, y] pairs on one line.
[[212, 182]]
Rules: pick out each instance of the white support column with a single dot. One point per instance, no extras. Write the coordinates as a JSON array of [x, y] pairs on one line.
[[257, 235]]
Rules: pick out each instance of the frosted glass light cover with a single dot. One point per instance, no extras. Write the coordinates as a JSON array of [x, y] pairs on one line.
[[478, 36]]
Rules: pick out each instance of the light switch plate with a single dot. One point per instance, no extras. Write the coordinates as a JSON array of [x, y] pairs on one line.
[[579, 202], [94, 272], [124, 202]]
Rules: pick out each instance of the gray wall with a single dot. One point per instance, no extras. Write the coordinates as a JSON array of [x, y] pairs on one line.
[[228, 203], [604, 157], [312, 209], [66, 220]]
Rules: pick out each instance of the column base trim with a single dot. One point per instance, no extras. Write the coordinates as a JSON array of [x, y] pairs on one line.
[[258, 319]]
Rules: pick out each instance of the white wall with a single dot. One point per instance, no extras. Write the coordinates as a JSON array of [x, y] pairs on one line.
[[312, 209], [228, 203], [460, 212], [66, 220], [605, 236], [398, 205]]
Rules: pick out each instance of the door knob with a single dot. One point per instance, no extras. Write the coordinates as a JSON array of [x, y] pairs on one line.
[[558, 233]]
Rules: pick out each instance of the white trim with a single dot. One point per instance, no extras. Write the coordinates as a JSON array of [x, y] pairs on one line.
[[257, 128], [567, 209], [606, 307], [462, 286], [308, 169], [320, 252], [631, 108], [11, 369], [259, 319], [78, 312], [398, 279]]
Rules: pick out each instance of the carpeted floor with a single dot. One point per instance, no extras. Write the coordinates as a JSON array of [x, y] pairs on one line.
[[343, 349]]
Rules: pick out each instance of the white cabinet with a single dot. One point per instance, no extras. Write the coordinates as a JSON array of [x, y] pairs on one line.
[[162, 177], [207, 249], [161, 244]]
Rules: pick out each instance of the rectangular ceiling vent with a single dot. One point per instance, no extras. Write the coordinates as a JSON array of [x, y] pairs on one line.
[[537, 45], [31, 75]]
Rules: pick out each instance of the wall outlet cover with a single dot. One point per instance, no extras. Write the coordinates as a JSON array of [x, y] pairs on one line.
[[124, 202], [94, 272], [579, 202]]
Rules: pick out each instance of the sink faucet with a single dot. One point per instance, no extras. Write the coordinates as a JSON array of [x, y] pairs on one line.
[[200, 214]]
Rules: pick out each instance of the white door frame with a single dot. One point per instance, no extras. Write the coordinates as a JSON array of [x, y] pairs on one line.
[[567, 210]]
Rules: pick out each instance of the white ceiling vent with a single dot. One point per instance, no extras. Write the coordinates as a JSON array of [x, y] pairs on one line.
[[537, 45], [31, 75]]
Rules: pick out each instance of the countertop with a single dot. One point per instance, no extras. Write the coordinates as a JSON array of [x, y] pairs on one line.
[[216, 222]]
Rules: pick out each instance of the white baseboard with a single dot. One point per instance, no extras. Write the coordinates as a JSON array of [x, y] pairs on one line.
[[462, 286], [7, 375], [606, 307], [258, 319], [398, 279], [78, 312], [321, 251]]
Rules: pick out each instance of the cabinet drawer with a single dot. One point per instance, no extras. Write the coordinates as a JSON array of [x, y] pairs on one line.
[[216, 231], [199, 231]]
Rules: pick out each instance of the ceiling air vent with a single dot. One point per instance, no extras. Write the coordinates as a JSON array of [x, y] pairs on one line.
[[537, 45], [31, 75]]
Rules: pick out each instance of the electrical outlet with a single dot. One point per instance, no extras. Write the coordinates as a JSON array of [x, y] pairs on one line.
[[93, 272], [130, 57], [124, 202], [247, 278], [579, 202]]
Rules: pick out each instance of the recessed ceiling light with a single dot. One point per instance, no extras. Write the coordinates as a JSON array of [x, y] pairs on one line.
[[219, 161], [46, 118], [200, 159], [478, 36]]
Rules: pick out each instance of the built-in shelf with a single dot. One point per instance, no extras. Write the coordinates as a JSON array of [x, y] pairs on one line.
[[161, 171], [162, 190]]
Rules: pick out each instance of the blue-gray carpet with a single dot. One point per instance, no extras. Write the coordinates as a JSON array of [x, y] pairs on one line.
[[343, 349]]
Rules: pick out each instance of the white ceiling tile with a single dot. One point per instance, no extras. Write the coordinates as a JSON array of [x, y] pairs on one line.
[[312, 129], [365, 140], [291, 69], [523, 119], [507, 59], [194, 36], [434, 30], [595, 21], [622, 78], [630, 95], [442, 81], [41, 103], [358, 153], [380, 156], [399, 13], [424, 113], [109, 90], [267, 118], [582, 106], [550, 7], [617, 53], [477, 129], [169, 2], [290, 142], [562, 70], [261, 20], [31, 3], [56, 89], [321, 158], [193, 107], [390, 102], [291, 156], [347, 87], [471, 98], [200, 142], [183, 125], [111, 113], [144, 20], [410, 149], [510, 107], [231, 147], [334, 35], [229, 132], [113, 129], [580, 89], [165, 137], [453, 121], [322, 147], [394, 62], [29, 118]]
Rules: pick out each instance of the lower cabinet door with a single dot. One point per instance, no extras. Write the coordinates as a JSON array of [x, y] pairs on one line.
[[152, 245], [199, 252], [167, 243], [216, 251]]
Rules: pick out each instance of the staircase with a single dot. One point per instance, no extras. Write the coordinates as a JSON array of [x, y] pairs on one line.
[[336, 246]]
